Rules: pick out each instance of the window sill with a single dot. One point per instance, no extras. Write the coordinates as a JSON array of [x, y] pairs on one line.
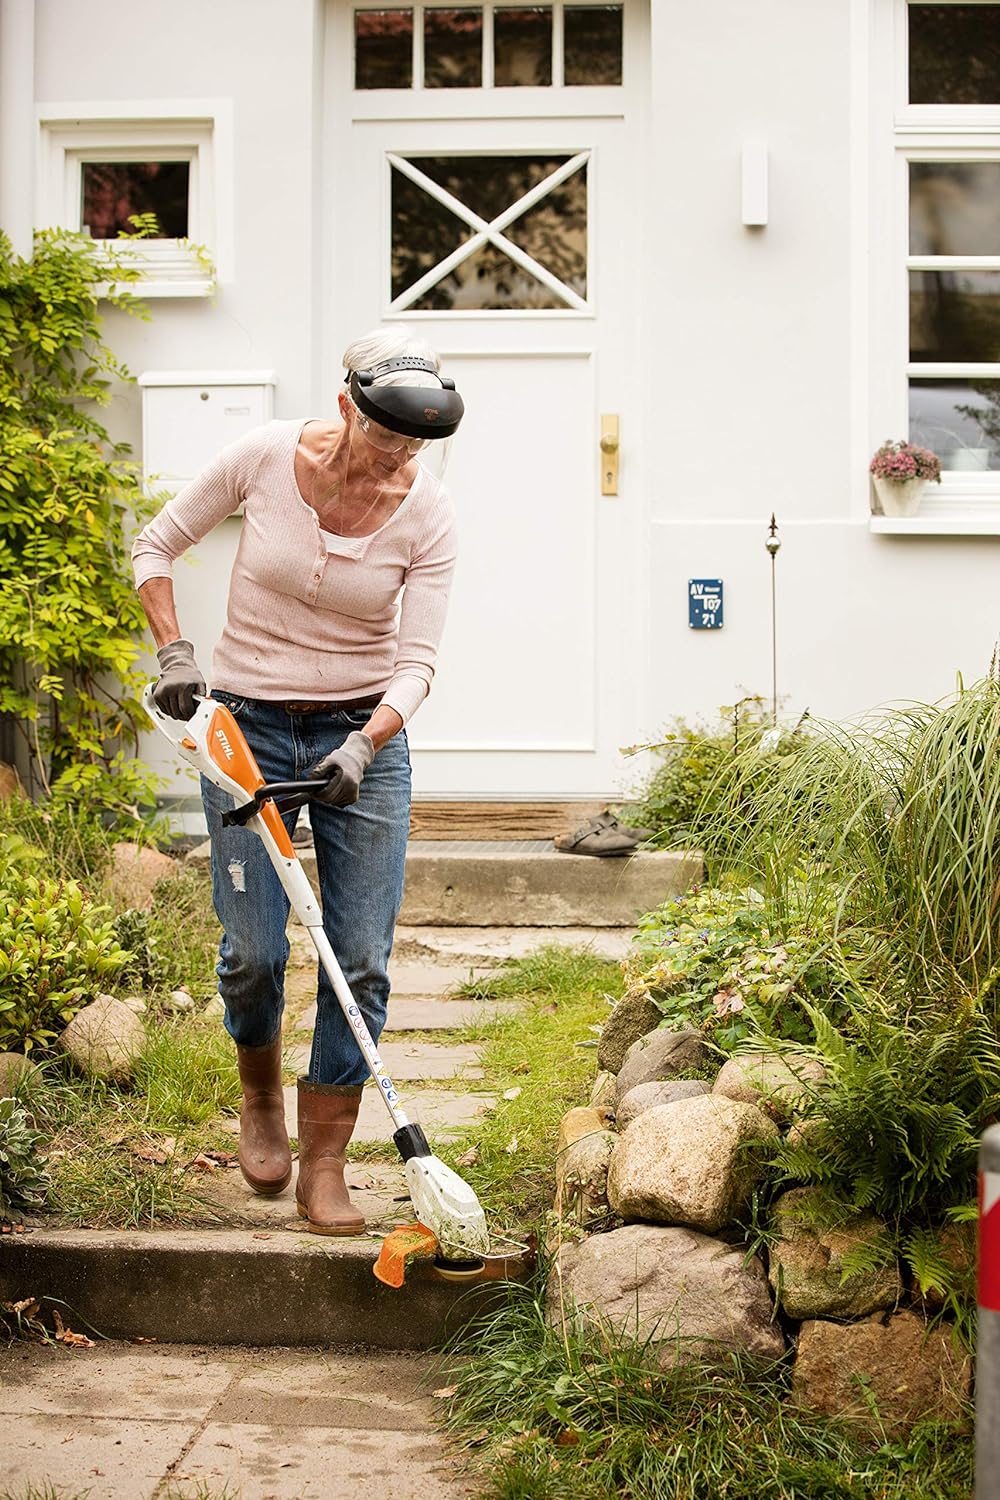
[[963, 504], [167, 268], [959, 525]]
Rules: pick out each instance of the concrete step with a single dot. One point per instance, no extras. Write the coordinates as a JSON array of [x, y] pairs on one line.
[[526, 883], [232, 1286]]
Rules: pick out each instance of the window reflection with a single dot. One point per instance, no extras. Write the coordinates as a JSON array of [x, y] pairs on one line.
[[959, 420], [955, 208], [113, 191], [453, 48], [954, 54], [955, 316], [383, 49], [592, 44], [522, 47]]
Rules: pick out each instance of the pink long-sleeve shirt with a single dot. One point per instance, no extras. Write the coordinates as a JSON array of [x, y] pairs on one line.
[[312, 616]]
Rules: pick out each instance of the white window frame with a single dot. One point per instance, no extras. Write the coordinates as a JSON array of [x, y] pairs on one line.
[[196, 131], [964, 502]]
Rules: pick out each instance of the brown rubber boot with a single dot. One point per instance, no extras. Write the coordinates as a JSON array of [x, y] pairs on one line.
[[265, 1157], [328, 1113]]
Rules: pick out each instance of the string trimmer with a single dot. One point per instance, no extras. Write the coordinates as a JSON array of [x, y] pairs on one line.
[[449, 1213]]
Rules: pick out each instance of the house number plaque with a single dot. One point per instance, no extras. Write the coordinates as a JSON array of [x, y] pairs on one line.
[[705, 609]]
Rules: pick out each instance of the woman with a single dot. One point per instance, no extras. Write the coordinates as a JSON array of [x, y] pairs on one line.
[[322, 666]]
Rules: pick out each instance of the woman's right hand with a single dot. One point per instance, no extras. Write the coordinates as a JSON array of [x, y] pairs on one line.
[[180, 682]]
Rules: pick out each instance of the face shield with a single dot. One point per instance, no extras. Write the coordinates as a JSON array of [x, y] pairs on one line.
[[416, 412]]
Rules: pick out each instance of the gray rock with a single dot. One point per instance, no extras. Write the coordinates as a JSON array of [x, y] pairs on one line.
[[602, 1095], [14, 1067], [633, 1017], [135, 1003], [691, 1162], [807, 1264], [779, 1084], [692, 1296], [135, 870], [181, 1000], [908, 1370], [660, 1054], [582, 1179], [104, 1039], [648, 1095]]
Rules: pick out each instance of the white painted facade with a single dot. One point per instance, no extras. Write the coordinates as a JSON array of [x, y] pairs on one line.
[[753, 369]]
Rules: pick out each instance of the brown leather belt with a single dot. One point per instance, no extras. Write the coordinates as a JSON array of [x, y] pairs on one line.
[[344, 705]]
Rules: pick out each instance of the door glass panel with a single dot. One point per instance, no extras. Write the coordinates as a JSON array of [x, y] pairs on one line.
[[488, 184], [488, 279], [111, 191], [954, 54], [592, 44], [959, 420], [955, 208], [554, 232], [453, 48], [423, 232], [383, 49], [522, 47], [955, 315]]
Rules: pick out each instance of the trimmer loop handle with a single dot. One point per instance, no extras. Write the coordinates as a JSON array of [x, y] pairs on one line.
[[292, 794]]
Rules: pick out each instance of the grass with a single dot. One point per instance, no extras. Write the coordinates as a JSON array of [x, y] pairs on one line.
[[548, 1414], [547, 1051], [103, 1140]]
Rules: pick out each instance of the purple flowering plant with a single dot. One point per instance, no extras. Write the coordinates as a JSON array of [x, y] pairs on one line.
[[901, 461]]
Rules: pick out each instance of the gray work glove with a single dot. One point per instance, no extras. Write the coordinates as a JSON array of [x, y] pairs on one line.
[[345, 769], [180, 681]]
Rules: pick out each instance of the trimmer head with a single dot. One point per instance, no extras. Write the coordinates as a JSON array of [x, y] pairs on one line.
[[448, 1206]]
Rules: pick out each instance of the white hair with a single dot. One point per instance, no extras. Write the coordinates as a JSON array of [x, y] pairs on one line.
[[390, 342]]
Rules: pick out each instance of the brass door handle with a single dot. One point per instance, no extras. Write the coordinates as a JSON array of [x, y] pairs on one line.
[[609, 454]]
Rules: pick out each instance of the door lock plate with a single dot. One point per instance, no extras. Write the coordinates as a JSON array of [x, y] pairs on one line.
[[609, 454]]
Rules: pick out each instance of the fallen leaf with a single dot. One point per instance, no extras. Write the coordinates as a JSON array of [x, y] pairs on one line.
[[261, 1236], [511, 1146], [567, 1438], [77, 1340], [60, 1325], [224, 1158], [204, 1163], [468, 1158], [445, 1393], [157, 1152], [521, 1068], [512, 1093]]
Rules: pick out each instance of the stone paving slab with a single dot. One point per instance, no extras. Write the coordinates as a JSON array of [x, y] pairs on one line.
[[125, 1423], [416, 1013], [439, 1111], [492, 945], [376, 1188], [416, 1061]]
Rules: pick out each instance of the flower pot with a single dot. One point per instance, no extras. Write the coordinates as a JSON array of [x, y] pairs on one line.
[[899, 497]]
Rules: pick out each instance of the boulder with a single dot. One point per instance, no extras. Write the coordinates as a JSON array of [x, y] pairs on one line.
[[104, 1039], [692, 1296], [691, 1162], [906, 1369], [779, 1084], [633, 1017], [660, 1054], [807, 1264], [14, 1067], [577, 1123], [582, 1178], [602, 1095], [135, 870], [647, 1095]]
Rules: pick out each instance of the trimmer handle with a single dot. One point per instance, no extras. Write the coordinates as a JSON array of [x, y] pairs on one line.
[[292, 793]]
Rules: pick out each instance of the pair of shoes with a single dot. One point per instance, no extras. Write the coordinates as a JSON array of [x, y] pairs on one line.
[[603, 837]]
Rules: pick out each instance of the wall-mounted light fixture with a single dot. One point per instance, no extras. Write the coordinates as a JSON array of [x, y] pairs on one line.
[[755, 183]]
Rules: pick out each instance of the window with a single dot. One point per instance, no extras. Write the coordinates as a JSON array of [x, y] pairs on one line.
[[440, 47], [947, 149], [99, 165], [489, 233]]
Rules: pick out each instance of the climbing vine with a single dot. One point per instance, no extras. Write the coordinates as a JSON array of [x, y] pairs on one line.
[[70, 621]]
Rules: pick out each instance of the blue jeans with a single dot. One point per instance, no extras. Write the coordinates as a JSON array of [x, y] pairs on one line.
[[360, 854]]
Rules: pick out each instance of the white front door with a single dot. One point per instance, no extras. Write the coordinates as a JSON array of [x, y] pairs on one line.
[[499, 224]]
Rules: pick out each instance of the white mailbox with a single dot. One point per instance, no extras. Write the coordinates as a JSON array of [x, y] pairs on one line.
[[188, 415]]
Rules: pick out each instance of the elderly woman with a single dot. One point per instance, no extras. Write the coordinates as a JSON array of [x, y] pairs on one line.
[[322, 664]]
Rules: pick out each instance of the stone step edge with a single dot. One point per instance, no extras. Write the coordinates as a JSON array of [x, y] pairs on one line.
[[226, 1287]]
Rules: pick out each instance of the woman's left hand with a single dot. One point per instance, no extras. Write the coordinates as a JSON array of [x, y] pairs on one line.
[[345, 769]]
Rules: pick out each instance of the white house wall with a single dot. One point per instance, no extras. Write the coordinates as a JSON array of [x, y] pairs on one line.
[[763, 355]]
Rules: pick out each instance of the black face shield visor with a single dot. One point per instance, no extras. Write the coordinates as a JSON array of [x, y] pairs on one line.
[[415, 411]]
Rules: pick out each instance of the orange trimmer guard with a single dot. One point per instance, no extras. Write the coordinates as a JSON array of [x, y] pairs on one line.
[[402, 1245]]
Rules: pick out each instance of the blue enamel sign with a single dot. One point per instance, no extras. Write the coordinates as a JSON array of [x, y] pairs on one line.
[[705, 603]]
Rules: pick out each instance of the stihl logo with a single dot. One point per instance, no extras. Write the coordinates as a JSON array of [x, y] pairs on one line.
[[220, 735]]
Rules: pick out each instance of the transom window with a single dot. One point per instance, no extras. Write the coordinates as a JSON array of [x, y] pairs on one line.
[[954, 54], [489, 233], [496, 46]]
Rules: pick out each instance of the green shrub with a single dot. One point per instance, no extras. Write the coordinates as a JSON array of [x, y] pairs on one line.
[[716, 960], [23, 1180], [57, 951], [700, 763]]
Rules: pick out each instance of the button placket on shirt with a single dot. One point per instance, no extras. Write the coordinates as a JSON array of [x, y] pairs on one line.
[[317, 578]]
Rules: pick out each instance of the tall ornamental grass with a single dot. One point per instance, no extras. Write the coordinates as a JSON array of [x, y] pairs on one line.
[[902, 812]]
